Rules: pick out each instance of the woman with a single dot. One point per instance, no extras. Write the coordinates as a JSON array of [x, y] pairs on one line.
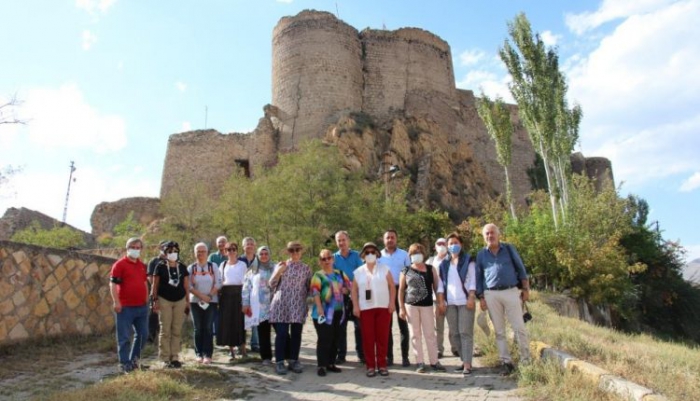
[[288, 308], [457, 274], [373, 297], [416, 286], [231, 319], [256, 300], [328, 287], [169, 294], [205, 283]]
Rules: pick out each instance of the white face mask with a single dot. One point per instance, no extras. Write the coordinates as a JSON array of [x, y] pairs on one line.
[[133, 253], [370, 258], [441, 250], [172, 256], [417, 258]]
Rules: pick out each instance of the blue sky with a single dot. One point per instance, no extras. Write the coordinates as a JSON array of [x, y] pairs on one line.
[[106, 82]]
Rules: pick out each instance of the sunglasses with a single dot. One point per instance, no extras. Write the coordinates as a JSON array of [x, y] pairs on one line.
[[232, 249], [371, 253], [294, 250], [326, 259]]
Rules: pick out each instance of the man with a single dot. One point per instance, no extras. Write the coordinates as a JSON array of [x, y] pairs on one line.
[[153, 323], [347, 260], [217, 258], [440, 255], [250, 258], [499, 270], [129, 289], [396, 259]]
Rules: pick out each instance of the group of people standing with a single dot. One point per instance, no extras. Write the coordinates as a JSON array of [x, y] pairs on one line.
[[251, 292]]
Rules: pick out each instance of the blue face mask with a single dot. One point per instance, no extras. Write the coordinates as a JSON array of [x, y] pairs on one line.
[[454, 248]]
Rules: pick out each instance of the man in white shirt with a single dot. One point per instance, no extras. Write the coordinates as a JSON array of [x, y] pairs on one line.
[[396, 258]]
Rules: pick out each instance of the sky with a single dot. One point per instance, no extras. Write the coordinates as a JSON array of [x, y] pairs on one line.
[[104, 83]]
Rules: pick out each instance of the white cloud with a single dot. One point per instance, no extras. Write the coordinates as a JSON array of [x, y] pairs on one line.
[[89, 39], [611, 10], [181, 86], [692, 183], [471, 57], [488, 81], [95, 6], [61, 118], [639, 90], [90, 188], [549, 38], [186, 126]]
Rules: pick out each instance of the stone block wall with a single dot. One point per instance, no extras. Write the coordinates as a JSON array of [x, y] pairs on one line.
[[47, 292]]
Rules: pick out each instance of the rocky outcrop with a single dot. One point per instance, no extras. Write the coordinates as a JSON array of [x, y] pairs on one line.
[[15, 220], [107, 215]]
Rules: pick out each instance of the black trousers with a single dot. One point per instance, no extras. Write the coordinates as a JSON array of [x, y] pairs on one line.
[[403, 329], [343, 339], [327, 341], [264, 330]]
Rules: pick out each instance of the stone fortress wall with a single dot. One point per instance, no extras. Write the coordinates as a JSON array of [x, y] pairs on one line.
[[48, 292], [324, 75]]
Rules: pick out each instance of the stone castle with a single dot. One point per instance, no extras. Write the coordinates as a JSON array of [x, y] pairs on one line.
[[382, 97]]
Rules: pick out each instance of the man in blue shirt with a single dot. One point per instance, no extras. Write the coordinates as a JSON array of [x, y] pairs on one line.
[[499, 270], [396, 258], [347, 260]]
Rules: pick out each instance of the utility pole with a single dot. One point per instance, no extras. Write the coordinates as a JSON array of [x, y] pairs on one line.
[[70, 178], [206, 116]]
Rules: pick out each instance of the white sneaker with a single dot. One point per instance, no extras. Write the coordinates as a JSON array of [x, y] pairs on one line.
[[199, 359], [207, 361]]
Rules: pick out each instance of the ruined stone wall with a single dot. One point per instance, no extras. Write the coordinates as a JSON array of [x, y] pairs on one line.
[[15, 220], [398, 62], [202, 160], [316, 72], [46, 292]]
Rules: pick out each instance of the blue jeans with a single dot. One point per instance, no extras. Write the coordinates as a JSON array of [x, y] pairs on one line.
[[254, 340], [287, 346], [132, 319], [202, 320], [343, 339]]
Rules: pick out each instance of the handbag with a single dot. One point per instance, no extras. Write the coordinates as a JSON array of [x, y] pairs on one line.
[[526, 313]]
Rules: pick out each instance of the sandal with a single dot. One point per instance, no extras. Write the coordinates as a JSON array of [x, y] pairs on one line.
[[467, 371], [383, 372], [371, 373]]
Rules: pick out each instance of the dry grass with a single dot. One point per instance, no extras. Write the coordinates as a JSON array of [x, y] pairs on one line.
[[666, 367]]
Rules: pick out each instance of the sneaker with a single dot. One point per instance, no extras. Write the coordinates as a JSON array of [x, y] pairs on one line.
[[199, 359], [175, 364], [438, 367], [389, 361], [266, 362], [280, 369], [421, 368], [334, 369], [507, 368], [297, 367], [207, 361], [126, 368], [321, 372], [340, 361], [405, 362]]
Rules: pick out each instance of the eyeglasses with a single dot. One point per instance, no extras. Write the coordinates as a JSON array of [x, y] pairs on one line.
[[232, 249], [370, 253], [264, 254], [294, 250], [326, 259]]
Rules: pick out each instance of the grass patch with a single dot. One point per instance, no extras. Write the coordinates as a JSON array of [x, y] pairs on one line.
[[186, 384], [667, 367], [547, 381]]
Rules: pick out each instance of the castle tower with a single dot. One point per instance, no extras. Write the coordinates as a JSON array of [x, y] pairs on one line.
[[399, 62], [316, 72]]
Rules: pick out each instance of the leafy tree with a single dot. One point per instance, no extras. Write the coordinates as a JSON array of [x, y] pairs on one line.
[[126, 229], [60, 236], [496, 118]]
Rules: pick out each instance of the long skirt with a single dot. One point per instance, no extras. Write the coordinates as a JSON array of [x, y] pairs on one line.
[[231, 319]]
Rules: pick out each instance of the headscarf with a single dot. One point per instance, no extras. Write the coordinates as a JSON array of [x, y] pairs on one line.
[[267, 265]]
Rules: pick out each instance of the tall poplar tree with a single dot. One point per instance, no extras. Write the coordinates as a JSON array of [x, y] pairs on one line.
[[496, 118]]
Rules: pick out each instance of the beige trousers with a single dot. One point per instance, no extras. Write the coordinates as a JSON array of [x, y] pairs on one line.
[[171, 316], [502, 305], [421, 322]]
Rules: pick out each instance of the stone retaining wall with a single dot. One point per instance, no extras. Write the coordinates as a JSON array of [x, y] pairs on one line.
[[47, 292]]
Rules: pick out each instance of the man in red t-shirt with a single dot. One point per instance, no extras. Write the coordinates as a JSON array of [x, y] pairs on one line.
[[129, 289]]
